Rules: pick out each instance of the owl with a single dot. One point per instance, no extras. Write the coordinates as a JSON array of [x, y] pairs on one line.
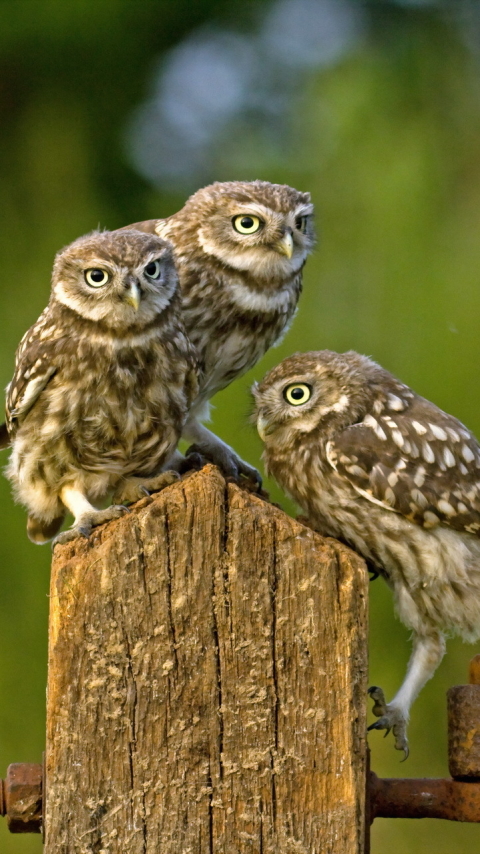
[[103, 383], [387, 472], [239, 248]]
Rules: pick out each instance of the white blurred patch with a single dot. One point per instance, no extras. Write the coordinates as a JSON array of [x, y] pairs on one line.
[[221, 97]]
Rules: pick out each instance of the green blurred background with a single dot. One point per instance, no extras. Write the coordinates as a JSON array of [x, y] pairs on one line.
[[114, 111]]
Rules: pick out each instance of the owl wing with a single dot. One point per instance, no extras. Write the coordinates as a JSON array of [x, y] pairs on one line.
[[34, 368], [421, 463]]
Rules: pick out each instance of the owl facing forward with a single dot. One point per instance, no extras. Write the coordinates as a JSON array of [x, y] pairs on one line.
[[102, 384], [384, 470], [239, 248]]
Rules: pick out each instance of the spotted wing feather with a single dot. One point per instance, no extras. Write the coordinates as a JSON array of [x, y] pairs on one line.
[[421, 463], [34, 368]]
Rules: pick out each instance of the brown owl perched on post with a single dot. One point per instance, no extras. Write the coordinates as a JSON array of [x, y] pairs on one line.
[[239, 249], [384, 470], [103, 383]]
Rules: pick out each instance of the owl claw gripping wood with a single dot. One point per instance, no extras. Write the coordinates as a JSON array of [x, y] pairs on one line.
[[102, 386], [384, 470]]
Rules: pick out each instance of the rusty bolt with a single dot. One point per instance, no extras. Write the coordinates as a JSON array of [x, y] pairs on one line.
[[21, 797]]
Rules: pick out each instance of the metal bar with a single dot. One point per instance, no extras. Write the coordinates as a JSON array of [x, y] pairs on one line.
[[454, 800]]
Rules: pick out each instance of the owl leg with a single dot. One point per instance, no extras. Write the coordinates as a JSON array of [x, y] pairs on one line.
[[86, 517], [134, 488], [427, 654], [222, 455]]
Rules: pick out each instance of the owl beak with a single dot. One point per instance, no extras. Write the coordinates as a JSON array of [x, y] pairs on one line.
[[262, 425], [132, 294], [285, 245]]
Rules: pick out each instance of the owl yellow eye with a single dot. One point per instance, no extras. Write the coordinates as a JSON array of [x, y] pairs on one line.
[[246, 224], [96, 278], [153, 270], [297, 393]]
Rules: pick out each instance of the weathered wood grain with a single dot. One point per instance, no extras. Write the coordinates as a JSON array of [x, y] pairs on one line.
[[207, 683]]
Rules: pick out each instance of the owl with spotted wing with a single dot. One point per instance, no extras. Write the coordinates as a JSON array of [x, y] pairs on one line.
[[389, 473], [102, 386], [240, 248]]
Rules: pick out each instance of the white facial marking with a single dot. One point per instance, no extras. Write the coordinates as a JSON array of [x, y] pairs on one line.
[[261, 261], [304, 209], [467, 454], [339, 406], [420, 429]]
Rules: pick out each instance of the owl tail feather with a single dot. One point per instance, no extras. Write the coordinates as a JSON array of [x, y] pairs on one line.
[[5, 441], [41, 532]]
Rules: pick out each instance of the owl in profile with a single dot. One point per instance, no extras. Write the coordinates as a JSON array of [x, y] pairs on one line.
[[384, 470], [239, 248], [103, 383]]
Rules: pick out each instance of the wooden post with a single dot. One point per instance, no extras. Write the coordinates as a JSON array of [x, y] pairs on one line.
[[207, 683]]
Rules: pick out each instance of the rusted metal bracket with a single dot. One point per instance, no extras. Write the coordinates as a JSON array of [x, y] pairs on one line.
[[21, 797], [456, 799]]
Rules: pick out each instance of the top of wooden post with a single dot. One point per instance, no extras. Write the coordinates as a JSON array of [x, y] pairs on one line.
[[207, 682]]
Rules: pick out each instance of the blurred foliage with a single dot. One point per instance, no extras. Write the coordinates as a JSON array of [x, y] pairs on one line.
[[388, 142]]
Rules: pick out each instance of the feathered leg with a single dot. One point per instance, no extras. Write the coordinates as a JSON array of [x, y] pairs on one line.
[[427, 654], [85, 515]]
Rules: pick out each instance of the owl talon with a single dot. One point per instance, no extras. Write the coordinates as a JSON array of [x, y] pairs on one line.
[[390, 719], [227, 461], [88, 521], [192, 461], [380, 704], [137, 488]]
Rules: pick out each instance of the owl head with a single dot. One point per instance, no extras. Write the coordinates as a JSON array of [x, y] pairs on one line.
[[120, 279], [256, 227], [316, 390]]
